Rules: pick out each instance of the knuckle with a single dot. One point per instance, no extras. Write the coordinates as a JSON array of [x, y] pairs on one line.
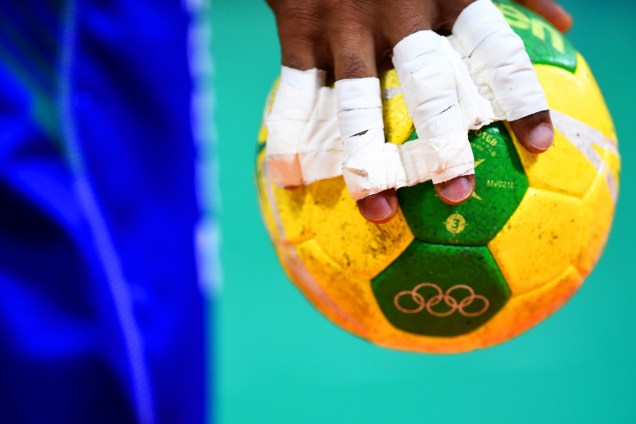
[[296, 61], [354, 51], [298, 53], [405, 18], [351, 65]]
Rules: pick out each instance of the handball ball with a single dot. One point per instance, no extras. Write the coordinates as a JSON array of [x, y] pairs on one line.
[[440, 278]]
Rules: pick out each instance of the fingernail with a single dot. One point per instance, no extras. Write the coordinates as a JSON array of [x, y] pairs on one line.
[[457, 189], [542, 137], [375, 207]]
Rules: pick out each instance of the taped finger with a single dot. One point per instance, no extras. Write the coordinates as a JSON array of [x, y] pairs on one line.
[[430, 88], [292, 108], [368, 164], [497, 61]]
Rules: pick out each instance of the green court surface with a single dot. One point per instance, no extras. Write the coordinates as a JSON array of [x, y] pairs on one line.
[[277, 360]]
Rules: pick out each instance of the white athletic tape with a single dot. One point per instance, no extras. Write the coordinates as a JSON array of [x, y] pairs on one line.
[[367, 165], [320, 148], [291, 111], [370, 165], [479, 74], [431, 75], [498, 62]]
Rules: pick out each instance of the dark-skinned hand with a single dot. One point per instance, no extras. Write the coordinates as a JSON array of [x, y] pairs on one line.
[[355, 39]]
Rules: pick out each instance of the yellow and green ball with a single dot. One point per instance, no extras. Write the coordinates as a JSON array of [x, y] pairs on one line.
[[441, 278]]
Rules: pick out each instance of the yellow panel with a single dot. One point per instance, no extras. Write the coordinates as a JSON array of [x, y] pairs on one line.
[[398, 125], [362, 248], [613, 160], [562, 169], [525, 311], [307, 267], [286, 210], [294, 209], [598, 211], [389, 80], [540, 241], [577, 95], [346, 300], [266, 211]]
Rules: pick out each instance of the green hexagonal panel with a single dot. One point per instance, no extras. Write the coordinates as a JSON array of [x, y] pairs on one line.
[[501, 184], [442, 291]]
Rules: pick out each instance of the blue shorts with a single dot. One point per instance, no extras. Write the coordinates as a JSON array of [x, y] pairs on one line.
[[101, 312]]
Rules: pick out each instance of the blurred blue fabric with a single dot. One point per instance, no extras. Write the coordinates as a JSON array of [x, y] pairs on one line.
[[101, 314]]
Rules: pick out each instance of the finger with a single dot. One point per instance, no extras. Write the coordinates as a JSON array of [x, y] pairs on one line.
[[457, 190], [297, 93], [499, 64], [431, 94], [534, 132], [361, 126], [550, 10], [379, 208], [298, 52], [291, 110], [299, 33]]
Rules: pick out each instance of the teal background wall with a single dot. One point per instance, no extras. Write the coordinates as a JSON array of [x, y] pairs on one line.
[[279, 361]]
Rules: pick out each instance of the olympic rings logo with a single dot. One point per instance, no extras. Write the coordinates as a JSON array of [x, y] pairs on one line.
[[421, 303]]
